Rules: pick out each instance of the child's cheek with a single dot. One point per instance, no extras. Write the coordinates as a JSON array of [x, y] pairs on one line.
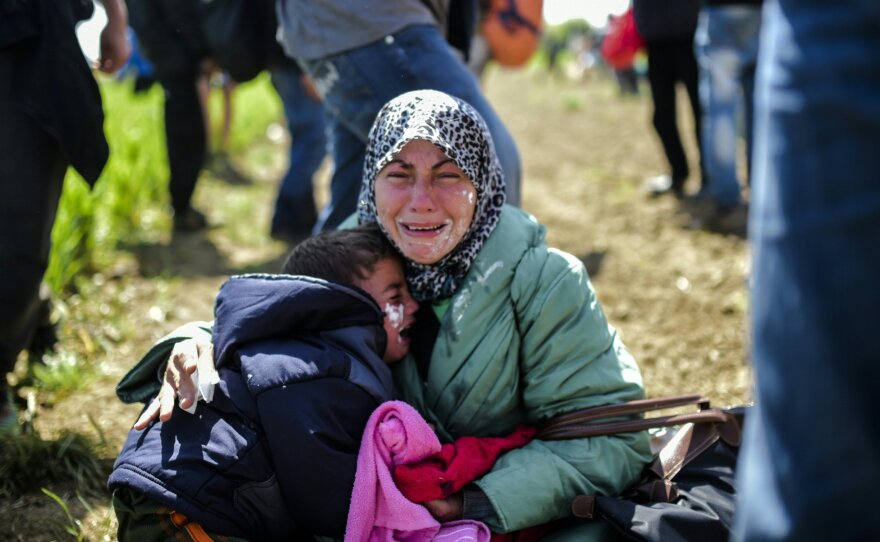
[[394, 313]]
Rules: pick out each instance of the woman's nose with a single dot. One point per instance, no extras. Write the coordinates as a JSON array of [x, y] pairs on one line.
[[422, 196]]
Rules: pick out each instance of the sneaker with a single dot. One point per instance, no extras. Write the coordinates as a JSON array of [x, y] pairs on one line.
[[707, 214], [730, 219], [664, 184], [189, 221]]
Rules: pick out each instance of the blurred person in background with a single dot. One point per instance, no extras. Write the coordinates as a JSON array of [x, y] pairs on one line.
[[170, 36], [810, 463], [360, 55], [295, 212], [727, 39], [668, 30], [52, 118]]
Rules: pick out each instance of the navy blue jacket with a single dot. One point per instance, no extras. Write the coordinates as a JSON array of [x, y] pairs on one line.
[[275, 452]]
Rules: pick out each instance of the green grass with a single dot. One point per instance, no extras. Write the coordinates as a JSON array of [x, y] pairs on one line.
[[129, 201], [93, 228], [28, 463]]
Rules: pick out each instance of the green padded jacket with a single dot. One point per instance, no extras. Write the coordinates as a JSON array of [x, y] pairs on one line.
[[523, 339]]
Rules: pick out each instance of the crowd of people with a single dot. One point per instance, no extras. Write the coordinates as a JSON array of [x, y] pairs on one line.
[[421, 281]]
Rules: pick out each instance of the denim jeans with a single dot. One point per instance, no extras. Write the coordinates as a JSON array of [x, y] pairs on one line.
[[726, 44], [357, 83], [295, 212], [810, 465]]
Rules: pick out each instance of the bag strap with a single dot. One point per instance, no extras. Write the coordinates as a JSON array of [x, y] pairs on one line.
[[579, 423], [698, 431]]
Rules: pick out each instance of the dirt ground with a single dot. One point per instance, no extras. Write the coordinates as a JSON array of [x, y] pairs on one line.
[[676, 291]]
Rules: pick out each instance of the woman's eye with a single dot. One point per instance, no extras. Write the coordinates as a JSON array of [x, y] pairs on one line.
[[396, 176], [448, 176]]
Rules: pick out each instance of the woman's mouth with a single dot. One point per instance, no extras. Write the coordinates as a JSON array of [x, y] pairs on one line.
[[423, 230]]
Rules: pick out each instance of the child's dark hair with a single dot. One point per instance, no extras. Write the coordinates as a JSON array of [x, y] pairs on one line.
[[343, 256]]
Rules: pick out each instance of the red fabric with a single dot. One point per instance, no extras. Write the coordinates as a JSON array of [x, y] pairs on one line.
[[622, 41], [456, 465]]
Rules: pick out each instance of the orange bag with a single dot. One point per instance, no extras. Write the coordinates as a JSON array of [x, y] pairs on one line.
[[622, 41], [513, 30]]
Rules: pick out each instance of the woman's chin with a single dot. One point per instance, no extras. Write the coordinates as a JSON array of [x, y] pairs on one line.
[[424, 254]]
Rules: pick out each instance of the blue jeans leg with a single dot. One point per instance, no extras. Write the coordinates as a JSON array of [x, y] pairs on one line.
[[356, 84], [348, 151], [810, 464], [295, 212], [726, 44]]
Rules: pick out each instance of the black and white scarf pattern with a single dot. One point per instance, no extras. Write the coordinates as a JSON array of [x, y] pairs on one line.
[[458, 130]]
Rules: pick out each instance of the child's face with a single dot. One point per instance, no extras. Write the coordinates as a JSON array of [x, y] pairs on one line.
[[388, 288]]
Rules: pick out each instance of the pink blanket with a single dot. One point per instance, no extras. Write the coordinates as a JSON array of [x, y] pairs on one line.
[[395, 435]]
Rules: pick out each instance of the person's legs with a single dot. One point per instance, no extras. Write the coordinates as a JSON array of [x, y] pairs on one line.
[[185, 140], [357, 83], [348, 151], [815, 228], [661, 78], [752, 41], [32, 168], [687, 72], [170, 36], [726, 45], [295, 212]]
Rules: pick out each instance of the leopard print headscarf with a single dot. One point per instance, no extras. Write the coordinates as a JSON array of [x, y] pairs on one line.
[[458, 130]]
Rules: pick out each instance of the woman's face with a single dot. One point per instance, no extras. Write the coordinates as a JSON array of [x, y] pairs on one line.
[[425, 202]]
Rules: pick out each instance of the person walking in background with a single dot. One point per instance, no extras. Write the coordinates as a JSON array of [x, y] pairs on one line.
[[52, 118], [815, 303], [361, 55], [668, 30], [295, 212], [726, 41], [170, 35], [619, 46]]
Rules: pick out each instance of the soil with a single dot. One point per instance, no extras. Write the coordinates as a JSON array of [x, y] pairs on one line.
[[675, 289]]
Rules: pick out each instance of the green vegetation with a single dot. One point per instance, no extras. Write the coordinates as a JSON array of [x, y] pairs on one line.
[[93, 230], [28, 463], [129, 200]]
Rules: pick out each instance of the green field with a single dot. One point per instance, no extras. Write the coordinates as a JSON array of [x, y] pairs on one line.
[[129, 202]]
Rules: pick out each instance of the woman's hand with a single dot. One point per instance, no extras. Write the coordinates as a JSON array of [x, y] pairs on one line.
[[448, 509], [179, 382]]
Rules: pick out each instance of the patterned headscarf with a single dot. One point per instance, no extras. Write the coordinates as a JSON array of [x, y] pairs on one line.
[[459, 131]]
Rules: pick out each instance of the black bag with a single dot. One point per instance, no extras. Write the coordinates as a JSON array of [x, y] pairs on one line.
[[687, 493], [238, 34]]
